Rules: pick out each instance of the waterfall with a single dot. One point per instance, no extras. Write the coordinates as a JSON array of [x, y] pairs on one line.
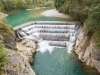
[[52, 35]]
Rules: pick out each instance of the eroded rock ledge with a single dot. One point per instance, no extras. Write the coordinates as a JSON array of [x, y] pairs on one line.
[[87, 52], [26, 48], [18, 62]]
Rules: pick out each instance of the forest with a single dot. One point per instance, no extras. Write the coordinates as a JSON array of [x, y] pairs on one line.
[[8, 5], [85, 11]]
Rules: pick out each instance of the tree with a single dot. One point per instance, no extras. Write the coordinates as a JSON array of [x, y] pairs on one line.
[[29, 3], [1, 7], [8, 4], [21, 4]]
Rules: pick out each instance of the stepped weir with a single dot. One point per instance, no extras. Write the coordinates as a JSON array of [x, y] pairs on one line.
[[60, 34]]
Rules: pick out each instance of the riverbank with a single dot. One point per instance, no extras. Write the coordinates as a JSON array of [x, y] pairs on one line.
[[2, 15], [36, 8], [55, 13]]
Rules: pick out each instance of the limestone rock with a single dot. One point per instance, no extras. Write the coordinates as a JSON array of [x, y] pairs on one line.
[[26, 48], [97, 64], [17, 65], [87, 52]]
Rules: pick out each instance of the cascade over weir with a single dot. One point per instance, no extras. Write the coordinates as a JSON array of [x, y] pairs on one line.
[[60, 34]]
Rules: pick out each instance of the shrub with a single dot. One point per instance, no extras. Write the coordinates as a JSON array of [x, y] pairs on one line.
[[96, 38], [93, 22], [3, 54]]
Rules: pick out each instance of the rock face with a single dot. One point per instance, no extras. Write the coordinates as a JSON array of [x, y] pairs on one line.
[[17, 65], [17, 62], [26, 48], [87, 52]]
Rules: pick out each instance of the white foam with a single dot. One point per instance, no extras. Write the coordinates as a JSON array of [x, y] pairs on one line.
[[69, 46], [44, 46]]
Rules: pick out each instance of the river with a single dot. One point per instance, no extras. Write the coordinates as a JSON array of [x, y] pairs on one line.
[[57, 62]]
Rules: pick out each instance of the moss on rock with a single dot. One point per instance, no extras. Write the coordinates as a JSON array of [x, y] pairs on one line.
[[7, 34]]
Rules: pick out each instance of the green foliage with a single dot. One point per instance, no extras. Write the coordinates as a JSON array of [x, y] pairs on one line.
[[49, 3], [8, 5], [3, 54], [78, 9], [59, 3], [5, 29], [93, 22], [19, 67], [1, 7], [21, 4], [96, 38]]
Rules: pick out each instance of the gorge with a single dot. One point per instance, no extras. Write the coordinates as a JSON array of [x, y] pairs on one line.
[[52, 42], [56, 34]]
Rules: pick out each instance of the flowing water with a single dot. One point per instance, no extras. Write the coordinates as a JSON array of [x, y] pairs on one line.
[[53, 55]]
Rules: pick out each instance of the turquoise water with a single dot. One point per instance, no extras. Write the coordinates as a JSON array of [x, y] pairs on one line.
[[59, 62], [23, 16]]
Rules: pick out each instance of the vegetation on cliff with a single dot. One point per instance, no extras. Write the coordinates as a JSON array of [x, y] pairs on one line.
[[7, 35], [2, 56], [6, 41], [86, 11]]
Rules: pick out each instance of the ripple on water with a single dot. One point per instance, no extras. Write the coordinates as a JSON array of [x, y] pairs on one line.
[[59, 62]]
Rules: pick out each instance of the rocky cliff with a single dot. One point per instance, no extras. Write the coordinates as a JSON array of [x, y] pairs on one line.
[[18, 55], [87, 51], [16, 64]]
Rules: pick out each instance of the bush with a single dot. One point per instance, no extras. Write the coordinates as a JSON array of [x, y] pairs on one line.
[[3, 54], [96, 38], [48, 4], [93, 22]]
